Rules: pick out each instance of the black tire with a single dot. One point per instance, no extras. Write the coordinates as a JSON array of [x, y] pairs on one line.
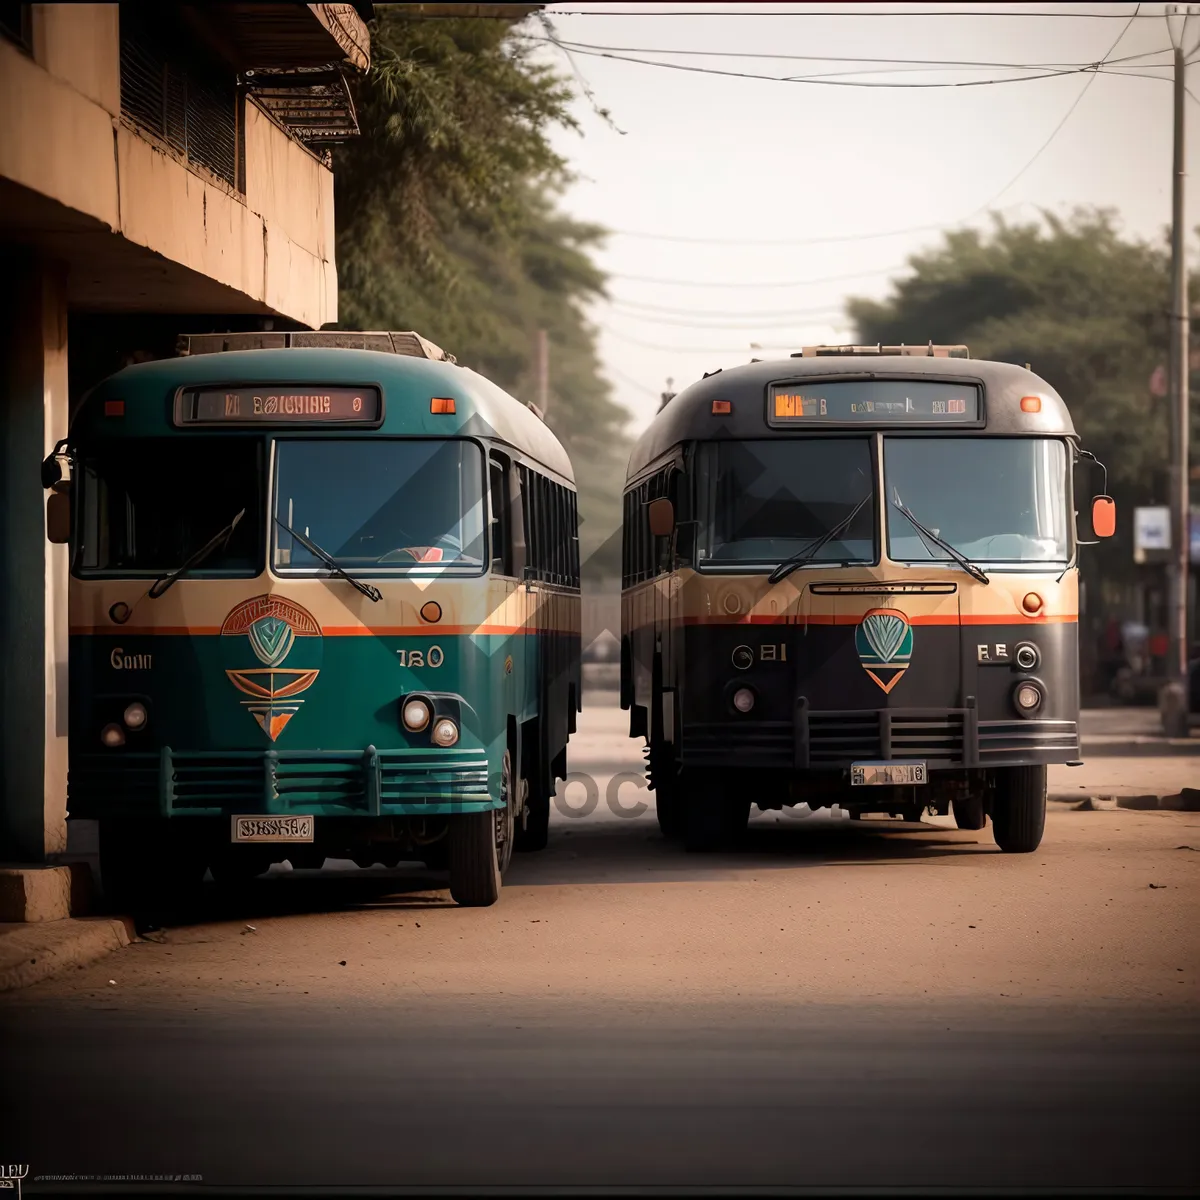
[[533, 832], [148, 870], [663, 778], [480, 846], [1019, 809], [712, 819], [968, 812]]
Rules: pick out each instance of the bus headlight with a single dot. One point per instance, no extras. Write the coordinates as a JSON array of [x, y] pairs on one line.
[[445, 732], [112, 736], [135, 716], [1027, 656], [415, 715], [1027, 698], [743, 700]]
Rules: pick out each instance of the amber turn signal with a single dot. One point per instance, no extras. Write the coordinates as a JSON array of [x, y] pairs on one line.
[[722, 406], [441, 404]]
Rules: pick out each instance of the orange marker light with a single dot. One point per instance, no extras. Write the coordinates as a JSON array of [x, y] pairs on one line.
[[1031, 404], [1032, 602], [114, 408], [431, 611], [722, 406], [441, 404]]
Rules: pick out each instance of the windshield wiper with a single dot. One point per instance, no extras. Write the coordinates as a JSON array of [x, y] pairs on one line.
[[165, 582], [801, 557], [927, 535], [371, 593]]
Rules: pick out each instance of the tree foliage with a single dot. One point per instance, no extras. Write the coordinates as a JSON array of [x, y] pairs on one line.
[[1088, 309], [447, 223]]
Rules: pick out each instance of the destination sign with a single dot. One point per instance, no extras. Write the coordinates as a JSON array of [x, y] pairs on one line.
[[874, 402], [303, 405]]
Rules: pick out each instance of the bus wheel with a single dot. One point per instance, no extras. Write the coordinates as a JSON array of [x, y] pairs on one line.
[[480, 846], [968, 812], [1019, 808], [665, 782], [712, 820], [534, 831]]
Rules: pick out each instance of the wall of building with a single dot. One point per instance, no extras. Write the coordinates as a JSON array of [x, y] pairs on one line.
[[64, 139]]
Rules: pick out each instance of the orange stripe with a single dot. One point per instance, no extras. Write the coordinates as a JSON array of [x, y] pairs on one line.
[[327, 631]]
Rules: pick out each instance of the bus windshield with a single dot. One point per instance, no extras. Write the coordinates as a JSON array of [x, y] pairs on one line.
[[380, 503], [995, 500], [147, 505], [763, 501]]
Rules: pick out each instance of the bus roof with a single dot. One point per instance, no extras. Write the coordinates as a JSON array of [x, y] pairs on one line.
[[689, 416], [408, 383]]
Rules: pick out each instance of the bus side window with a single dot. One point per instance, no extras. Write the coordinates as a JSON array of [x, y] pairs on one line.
[[500, 526], [518, 523]]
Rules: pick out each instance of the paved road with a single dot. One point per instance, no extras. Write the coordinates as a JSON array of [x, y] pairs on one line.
[[838, 1003]]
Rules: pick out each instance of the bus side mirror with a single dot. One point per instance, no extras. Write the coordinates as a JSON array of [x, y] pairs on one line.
[[662, 517], [58, 517], [1104, 516]]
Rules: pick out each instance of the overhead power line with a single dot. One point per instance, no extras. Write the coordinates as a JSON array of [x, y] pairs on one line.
[[743, 13], [1083, 91], [830, 58], [716, 314], [746, 348], [732, 323], [758, 286], [819, 80]]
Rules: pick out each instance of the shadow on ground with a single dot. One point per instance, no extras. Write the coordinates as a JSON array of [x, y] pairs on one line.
[[606, 851]]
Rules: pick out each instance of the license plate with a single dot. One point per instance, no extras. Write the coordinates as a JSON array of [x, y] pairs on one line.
[[273, 829], [887, 774]]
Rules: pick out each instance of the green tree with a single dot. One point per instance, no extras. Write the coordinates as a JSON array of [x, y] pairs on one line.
[[1087, 309], [447, 223]]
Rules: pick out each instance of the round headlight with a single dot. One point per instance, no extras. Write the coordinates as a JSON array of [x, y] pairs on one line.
[[112, 735], [136, 716], [743, 700], [1028, 696], [742, 658], [416, 715], [445, 732], [1027, 656]]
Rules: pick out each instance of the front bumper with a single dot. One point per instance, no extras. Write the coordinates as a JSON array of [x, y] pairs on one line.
[[832, 740], [366, 783]]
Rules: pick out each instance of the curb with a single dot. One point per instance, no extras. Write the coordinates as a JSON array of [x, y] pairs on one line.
[[1187, 800], [33, 952]]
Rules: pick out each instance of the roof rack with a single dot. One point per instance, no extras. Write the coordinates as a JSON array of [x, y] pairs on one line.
[[408, 343], [927, 351]]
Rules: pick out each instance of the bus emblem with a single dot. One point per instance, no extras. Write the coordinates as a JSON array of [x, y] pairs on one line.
[[884, 641], [256, 638]]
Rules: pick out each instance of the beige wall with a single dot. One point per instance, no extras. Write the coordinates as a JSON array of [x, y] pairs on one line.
[[62, 137]]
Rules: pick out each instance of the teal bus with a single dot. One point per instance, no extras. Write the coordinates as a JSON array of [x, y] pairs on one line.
[[324, 603]]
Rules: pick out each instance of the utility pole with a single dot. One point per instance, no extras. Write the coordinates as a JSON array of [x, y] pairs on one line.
[[1174, 703], [542, 353]]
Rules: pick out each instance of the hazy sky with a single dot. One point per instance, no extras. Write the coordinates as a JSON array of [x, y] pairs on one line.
[[720, 159]]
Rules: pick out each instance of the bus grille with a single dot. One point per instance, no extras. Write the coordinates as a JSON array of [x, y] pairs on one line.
[[1020, 737], [214, 783]]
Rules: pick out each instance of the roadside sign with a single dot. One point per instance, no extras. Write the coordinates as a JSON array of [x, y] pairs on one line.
[[1152, 528]]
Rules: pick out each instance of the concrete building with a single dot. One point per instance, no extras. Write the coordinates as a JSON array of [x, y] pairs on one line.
[[163, 169]]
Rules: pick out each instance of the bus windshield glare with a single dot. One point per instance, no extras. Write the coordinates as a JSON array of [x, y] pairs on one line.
[[763, 501], [390, 504], [995, 500]]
